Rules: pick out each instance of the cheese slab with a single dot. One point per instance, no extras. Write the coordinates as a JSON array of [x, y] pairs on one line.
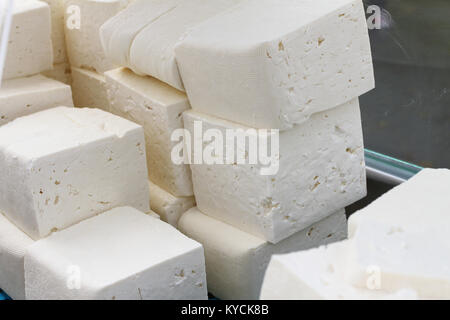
[[120, 254], [89, 89], [169, 207], [272, 64], [13, 246], [23, 96], [63, 165], [30, 48], [236, 261], [58, 38], [158, 108], [320, 170], [318, 274], [60, 72], [83, 41], [152, 50]]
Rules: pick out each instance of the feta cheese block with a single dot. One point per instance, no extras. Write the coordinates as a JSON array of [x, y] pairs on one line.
[[93, 260], [60, 72], [158, 108], [57, 22], [63, 165], [13, 246], [152, 50], [318, 169], [169, 207], [236, 261], [89, 89], [403, 236], [30, 48], [83, 41], [274, 63], [318, 274], [23, 96]]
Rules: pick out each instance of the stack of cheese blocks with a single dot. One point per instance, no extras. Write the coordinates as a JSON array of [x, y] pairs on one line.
[[296, 66]]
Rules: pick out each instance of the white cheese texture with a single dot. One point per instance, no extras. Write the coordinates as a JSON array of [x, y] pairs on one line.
[[321, 170], [274, 63], [121, 254], [83, 44], [63, 165], [24, 96], [89, 89], [236, 261], [152, 50], [30, 48], [13, 246], [169, 207], [158, 108], [58, 38], [60, 72]]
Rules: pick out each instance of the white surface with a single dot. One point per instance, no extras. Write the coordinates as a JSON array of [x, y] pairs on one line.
[[60, 72], [121, 254], [321, 170], [23, 96], [273, 63], [158, 108], [63, 165], [5, 28], [58, 39], [236, 261], [89, 89]]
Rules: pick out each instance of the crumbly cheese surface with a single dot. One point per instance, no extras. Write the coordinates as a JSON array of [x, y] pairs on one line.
[[60, 72], [89, 89], [58, 38]]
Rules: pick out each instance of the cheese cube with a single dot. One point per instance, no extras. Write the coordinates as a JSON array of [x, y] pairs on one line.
[[63, 165], [320, 170], [121, 254], [403, 237], [318, 274], [152, 51], [57, 22], [169, 207], [274, 63], [236, 261], [83, 41], [13, 246], [89, 89], [23, 96], [30, 45], [158, 108], [60, 72]]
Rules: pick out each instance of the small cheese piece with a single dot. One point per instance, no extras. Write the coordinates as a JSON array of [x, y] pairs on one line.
[[318, 274], [320, 170], [60, 72], [63, 165], [83, 41], [121, 254], [403, 236], [158, 108], [58, 39], [169, 207], [89, 89], [23, 96], [274, 63], [30, 48], [236, 261], [152, 51], [13, 245]]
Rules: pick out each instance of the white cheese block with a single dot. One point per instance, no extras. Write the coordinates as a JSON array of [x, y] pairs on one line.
[[63, 165], [321, 170], [121, 254], [403, 236], [83, 44], [158, 108], [60, 72], [13, 246], [89, 89], [236, 261], [274, 63], [23, 96], [58, 39], [30, 48], [318, 274], [169, 207], [152, 51]]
